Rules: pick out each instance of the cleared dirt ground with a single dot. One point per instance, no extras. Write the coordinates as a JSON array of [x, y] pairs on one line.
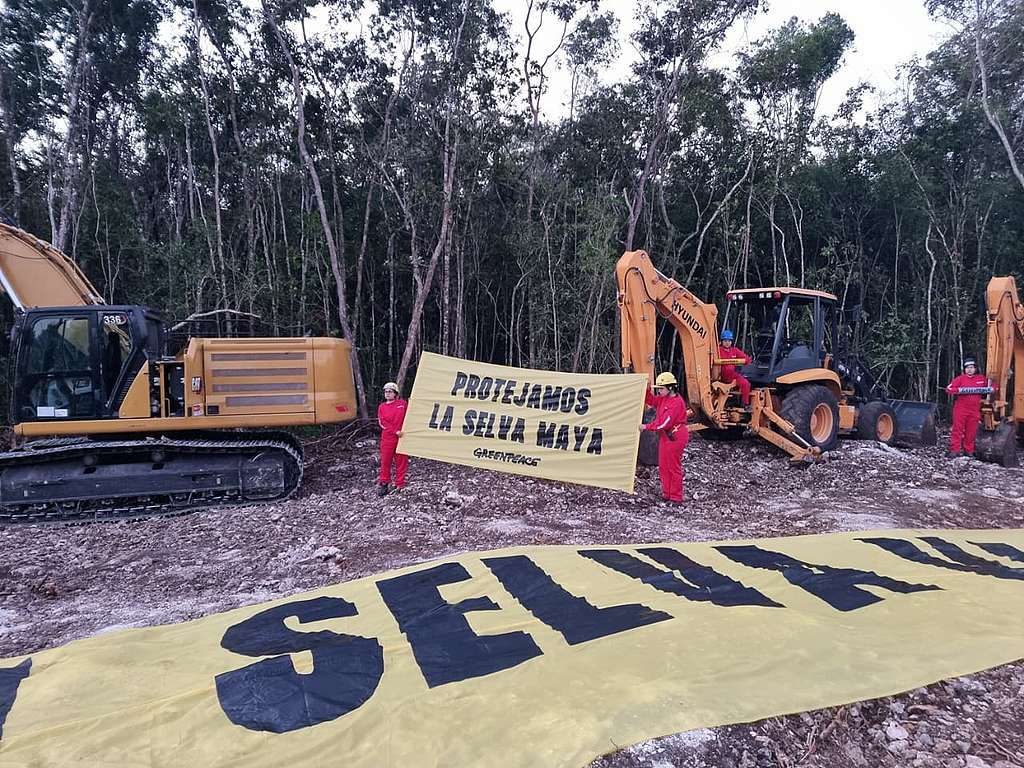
[[58, 582]]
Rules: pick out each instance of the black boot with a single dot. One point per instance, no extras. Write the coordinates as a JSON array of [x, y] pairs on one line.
[[382, 490]]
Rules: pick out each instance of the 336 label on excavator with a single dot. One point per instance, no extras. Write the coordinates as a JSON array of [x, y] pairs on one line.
[[579, 428], [527, 656]]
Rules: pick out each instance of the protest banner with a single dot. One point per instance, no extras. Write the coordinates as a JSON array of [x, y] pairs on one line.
[[578, 428], [529, 656]]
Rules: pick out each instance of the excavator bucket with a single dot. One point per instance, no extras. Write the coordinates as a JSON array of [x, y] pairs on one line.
[[915, 423], [998, 446]]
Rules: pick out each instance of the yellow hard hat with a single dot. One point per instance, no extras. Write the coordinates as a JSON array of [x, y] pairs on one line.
[[664, 379]]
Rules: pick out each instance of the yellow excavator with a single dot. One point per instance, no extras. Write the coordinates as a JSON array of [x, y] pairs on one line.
[[804, 393], [1001, 416], [111, 423]]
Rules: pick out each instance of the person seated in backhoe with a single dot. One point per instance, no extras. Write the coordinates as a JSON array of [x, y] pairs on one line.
[[967, 408], [670, 424], [727, 350]]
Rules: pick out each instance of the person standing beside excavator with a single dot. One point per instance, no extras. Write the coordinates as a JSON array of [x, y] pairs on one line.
[[391, 417], [967, 408], [670, 424], [727, 350]]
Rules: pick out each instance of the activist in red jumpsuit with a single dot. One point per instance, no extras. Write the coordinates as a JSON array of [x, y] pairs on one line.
[[670, 424], [391, 416], [966, 410], [727, 351]]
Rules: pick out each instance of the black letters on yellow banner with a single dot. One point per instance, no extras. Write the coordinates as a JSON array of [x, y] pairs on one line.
[[1002, 550], [701, 583], [836, 586], [270, 695], [525, 395], [444, 645], [574, 617], [581, 648], [484, 424], [10, 680], [962, 561]]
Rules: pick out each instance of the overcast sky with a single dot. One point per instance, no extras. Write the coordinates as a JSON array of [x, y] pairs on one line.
[[888, 33]]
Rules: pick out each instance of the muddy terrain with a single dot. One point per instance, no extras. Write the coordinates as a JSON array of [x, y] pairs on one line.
[[61, 582]]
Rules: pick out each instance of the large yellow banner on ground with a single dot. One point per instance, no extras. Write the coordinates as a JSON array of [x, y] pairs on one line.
[[534, 656], [580, 428]]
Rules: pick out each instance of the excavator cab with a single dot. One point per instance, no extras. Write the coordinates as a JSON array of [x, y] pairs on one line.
[[785, 330], [76, 363]]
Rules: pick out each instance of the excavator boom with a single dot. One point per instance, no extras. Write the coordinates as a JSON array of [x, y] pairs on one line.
[[644, 293], [35, 274], [1003, 411]]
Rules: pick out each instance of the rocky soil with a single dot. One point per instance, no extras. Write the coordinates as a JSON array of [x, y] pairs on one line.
[[61, 582]]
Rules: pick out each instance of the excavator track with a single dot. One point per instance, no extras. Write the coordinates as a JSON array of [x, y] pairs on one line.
[[91, 480]]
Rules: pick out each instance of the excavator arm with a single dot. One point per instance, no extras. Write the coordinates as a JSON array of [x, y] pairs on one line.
[[1000, 416], [35, 274], [1005, 346], [644, 294]]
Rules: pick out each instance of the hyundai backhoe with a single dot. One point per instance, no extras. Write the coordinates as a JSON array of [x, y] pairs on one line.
[[804, 393]]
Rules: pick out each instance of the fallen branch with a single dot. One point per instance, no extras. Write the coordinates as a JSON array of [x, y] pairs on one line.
[[199, 315], [813, 742], [345, 434]]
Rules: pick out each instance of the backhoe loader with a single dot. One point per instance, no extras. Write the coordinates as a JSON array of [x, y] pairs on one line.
[[109, 423], [804, 393], [1001, 417]]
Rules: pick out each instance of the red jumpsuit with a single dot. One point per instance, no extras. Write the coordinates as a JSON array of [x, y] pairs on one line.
[[966, 412], [391, 416], [670, 424], [729, 374]]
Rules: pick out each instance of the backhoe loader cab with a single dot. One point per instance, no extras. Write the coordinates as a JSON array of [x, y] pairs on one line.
[[785, 330]]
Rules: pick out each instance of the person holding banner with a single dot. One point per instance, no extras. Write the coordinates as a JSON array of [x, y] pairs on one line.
[[967, 409], [391, 417], [670, 424]]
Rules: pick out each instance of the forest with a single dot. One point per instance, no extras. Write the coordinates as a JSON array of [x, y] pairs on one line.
[[400, 174]]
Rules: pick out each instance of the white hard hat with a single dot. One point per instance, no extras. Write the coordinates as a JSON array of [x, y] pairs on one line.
[[392, 386]]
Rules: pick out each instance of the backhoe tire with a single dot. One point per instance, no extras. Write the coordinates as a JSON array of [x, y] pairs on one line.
[[814, 411], [876, 421]]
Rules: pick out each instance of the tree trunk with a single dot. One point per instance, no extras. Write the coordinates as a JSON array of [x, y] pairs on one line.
[[222, 278], [325, 221]]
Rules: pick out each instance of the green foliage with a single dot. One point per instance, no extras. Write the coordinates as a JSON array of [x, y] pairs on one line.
[[746, 180], [796, 58]]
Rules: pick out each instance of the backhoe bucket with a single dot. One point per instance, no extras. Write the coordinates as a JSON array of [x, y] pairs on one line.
[[647, 453], [998, 446], [915, 423]]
